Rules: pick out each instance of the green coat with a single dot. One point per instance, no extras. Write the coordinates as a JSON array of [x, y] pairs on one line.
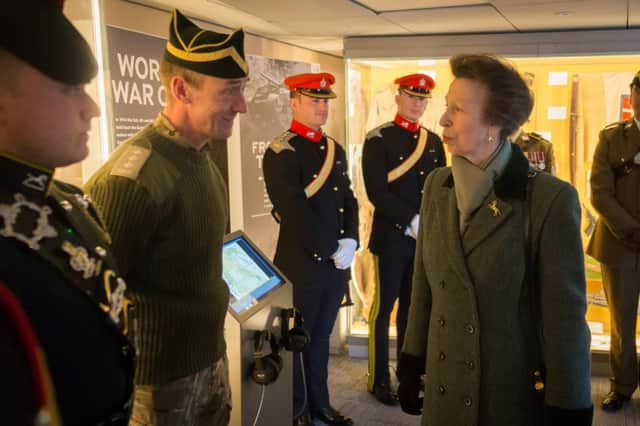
[[615, 194], [466, 314]]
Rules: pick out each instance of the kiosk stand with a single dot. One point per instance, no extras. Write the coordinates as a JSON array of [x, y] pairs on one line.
[[258, 294]]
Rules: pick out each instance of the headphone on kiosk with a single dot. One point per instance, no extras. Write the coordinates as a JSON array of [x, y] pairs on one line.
[[295, 337], [266, 368]]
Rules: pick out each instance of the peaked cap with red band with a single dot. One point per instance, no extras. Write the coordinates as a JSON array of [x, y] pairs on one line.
[[37, 32], [416, 84], [315, 85]]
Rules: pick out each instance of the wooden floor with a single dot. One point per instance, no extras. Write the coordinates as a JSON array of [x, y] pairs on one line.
[[348, 382]]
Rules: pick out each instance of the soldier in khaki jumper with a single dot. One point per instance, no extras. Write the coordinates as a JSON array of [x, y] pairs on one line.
[[615, 243]]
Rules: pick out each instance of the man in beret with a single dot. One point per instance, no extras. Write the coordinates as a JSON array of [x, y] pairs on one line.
[[165, 202], [64, 315], [305, 173], [615, 243], [397, 157]]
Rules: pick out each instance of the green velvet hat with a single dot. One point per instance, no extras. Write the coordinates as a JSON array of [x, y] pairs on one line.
[[207, 52], [37, 32]]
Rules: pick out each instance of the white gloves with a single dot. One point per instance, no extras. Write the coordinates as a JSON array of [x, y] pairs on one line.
[[343, 257], [412, 229]]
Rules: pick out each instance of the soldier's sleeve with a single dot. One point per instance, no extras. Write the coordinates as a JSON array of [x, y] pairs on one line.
[[284, 185], [561, 281], [551, 159], [130, 215], [350, 202], [374, 172], [603, 198]]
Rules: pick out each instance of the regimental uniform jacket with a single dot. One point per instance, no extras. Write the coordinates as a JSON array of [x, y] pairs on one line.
[[308, 185], [538, 151], [57, 263], [615, 189], [395, 164]]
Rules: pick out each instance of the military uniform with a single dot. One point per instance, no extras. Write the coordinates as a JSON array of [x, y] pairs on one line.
[[394, 182], [538, 151], [615, 194], [56, 260], [316, 208]]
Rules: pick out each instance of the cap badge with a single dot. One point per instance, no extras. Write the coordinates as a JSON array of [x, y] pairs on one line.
[[38, 183], [423, 82], [493, 206], [323, 83]]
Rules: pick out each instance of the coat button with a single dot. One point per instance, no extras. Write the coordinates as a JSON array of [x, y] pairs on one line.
[[341, 210], [441, 321], [322, 147], [315, 175], [442, 356], [471, 365], [342, 231], [441, 390], [468, 402], [101, 251], [421, 172], [401, 158], [335, 188], [319, 259], [469, 329], [415, 136]]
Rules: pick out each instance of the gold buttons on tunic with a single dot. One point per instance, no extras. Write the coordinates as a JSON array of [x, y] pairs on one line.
[[315, 175], [322, 147], [468, 402], [342, 231], [441, 321], [469, 329], [442, 356], [421, 172], [471, 365], [441, 390], [335, 188], [341, 210], [401, 158]]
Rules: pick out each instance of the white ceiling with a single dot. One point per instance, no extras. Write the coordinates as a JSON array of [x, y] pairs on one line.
[[322, 25]]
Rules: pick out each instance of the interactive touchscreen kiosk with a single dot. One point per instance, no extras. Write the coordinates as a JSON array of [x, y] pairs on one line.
[[258, 292]]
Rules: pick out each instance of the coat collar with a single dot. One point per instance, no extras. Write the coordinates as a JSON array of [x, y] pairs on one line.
[[509, 186], [512, 183]]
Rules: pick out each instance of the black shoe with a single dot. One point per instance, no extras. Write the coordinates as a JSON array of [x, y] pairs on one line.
[[331, 416], [384, 394], [304, 420], [614, 401]]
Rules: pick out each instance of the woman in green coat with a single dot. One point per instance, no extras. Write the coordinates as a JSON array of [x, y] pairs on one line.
[[490, 307]]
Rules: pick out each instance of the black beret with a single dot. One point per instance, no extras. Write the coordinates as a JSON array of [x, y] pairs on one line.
[[203, 51], [37, 32]]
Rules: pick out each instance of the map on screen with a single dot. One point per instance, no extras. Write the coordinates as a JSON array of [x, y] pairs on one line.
[[248, 276]]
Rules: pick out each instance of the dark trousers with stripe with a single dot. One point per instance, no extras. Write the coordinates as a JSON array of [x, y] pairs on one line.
[[319, 307], [393, 281]]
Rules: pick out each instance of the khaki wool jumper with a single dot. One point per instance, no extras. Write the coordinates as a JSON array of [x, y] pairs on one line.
[[165, 205]]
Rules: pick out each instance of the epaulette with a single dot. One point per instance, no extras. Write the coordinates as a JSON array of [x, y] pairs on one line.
[[281, 143], [82, 199], [130, 162], [537, 137], [377, 132], [614, 125]]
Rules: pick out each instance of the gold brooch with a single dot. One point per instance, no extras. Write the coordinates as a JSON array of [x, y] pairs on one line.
[[495, 211]]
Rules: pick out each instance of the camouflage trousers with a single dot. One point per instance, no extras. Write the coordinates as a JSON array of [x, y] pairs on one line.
[[201, 399]]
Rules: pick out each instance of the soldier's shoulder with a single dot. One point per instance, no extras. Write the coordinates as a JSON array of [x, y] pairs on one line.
[[377, 132], [282, 142], [431, 133], [537, 137], [131, 158], [618, 126]]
